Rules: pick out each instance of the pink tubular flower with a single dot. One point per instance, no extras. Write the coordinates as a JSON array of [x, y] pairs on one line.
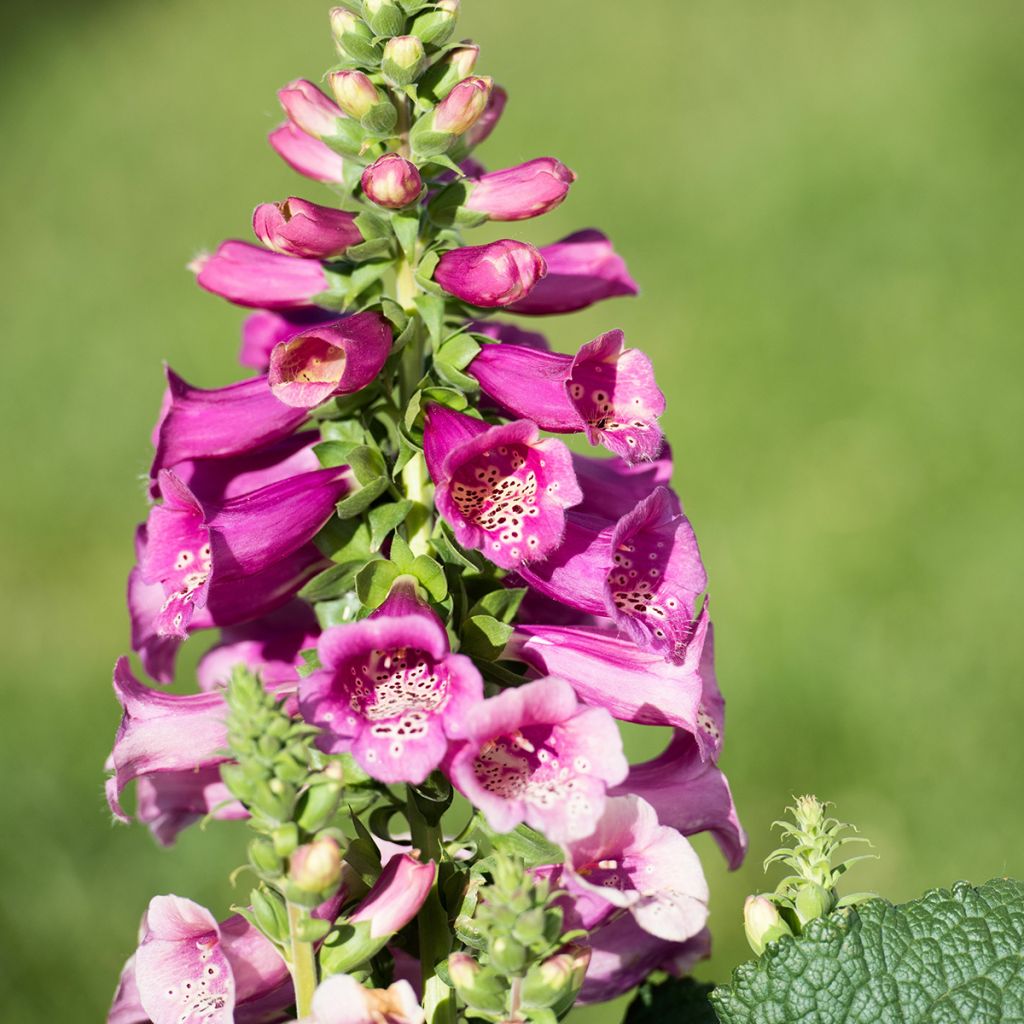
[[690, 793], [250, 276], [341, 999], [266, 328], [488, 120], [632, 862], [606, 390], [644, 572], [306, 155], [201, 423], [502, 489], [397, 896], [334, 359], [533, 754], [613, 487], [392, 182], [520, 192], [297, 227], [309, 109], [510, 334], [168, 802], [186, 545], [582, 270], [493, 275], [463, 106], [390, 689], [609, 671]]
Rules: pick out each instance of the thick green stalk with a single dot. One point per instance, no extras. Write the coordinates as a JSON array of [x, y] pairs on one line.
[[434, 934], [302, 965]]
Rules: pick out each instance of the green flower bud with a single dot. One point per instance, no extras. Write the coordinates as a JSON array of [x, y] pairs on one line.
[[404, 59], [440, 78], [270, 913], [265, 858], [529, 927], [762, 923], [285, 838], [319, 806], [384, 17], [316, 867], [482, 988], [435, 27], [354, 92], [353, 37], [508, 956], [813, 901]]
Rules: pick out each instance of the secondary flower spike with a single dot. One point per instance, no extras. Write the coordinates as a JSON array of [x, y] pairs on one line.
[[502, 488], [298, 227], [606, 390], [390, 689], [534, 754], [498, 274], [582, 269], [334, 359], [250, 276]]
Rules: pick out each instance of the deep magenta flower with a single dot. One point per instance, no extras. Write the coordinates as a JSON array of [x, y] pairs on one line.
[[488, 120], [493, 275], [534, 754], [635, 685], [689, 792], [582, 269], [202, 423], [264, 329], [392, 181], [510, 334], [251, 276], [186, 545], [502, 488], [520, 192], [397, 895], [631, 861], [338, 358], [390, 689], [306, 155], [309, 109], [613, 487], [643, 571], [606, 390], [298, 227]]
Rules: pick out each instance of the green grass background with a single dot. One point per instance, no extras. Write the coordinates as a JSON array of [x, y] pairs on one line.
[[822, 203]]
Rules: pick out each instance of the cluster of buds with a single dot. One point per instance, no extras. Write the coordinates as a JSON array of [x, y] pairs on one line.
[[523, 965], [420, 590], [810, 891]]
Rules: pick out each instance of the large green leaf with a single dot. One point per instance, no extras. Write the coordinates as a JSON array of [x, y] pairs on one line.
[[954, 956]]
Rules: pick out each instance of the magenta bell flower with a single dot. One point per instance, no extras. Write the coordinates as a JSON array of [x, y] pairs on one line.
[[390, 689], [309, 109], [392, 181], [306, 155], [609, 671], [582, 269], [510, 334], [690, 794], [502, 488], [613, 487], [606, 390], [267, 327], [397, 896], [201, 423], [518, 193], [186, 545], [534, 754], [493, 275], [168, 802], [334, 359], [630, 861], [297, 227], [229, 602], [341, 999], [644, 572], [250, 276]]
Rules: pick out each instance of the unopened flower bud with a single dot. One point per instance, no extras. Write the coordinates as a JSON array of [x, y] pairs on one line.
[[520, 192], [392, 182], [442, 77], [550, 982], [435, 27], [309, 109], [404, 58], [353, 37], [491, 275], [264, 857], [354, 91], [482, 988], [762, 923], [463, 106], [300, 228], [813, 901], [316, 867], [385, 17], [508, 956]]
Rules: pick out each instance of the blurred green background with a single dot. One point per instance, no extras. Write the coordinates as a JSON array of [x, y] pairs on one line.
[[822, 203]]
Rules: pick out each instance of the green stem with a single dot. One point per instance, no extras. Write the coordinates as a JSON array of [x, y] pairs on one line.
[[303, 963], [434, 935]]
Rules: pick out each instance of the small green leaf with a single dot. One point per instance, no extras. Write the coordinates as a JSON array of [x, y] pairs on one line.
[[374, 580], [459, 351], [483, 636], [331, 583], [386, 518], [367, 463], [451, 553], [431, 308], [356, 503], [501, 604], [340, 612], [522, 842], [381, 119], [407, 228], [431, 575], [374, 249], [345, 540]]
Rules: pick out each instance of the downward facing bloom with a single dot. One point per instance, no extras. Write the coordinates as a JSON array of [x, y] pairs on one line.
[[497, 274], [520, 192], [502, 488], [534, 754], [338, 358], [606, 390], [390, 689], [251, 276]]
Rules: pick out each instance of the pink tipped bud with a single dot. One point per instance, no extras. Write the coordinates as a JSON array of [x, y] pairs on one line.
[[392, 181], [491, 275], [464, 59], [354, 91], [396, 896], [300, 228], [463, 106], [309, 109], [462, 969], [762, 923], [404, 59], [518, 193], [442, 77], [353, 37], [316, 867]]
